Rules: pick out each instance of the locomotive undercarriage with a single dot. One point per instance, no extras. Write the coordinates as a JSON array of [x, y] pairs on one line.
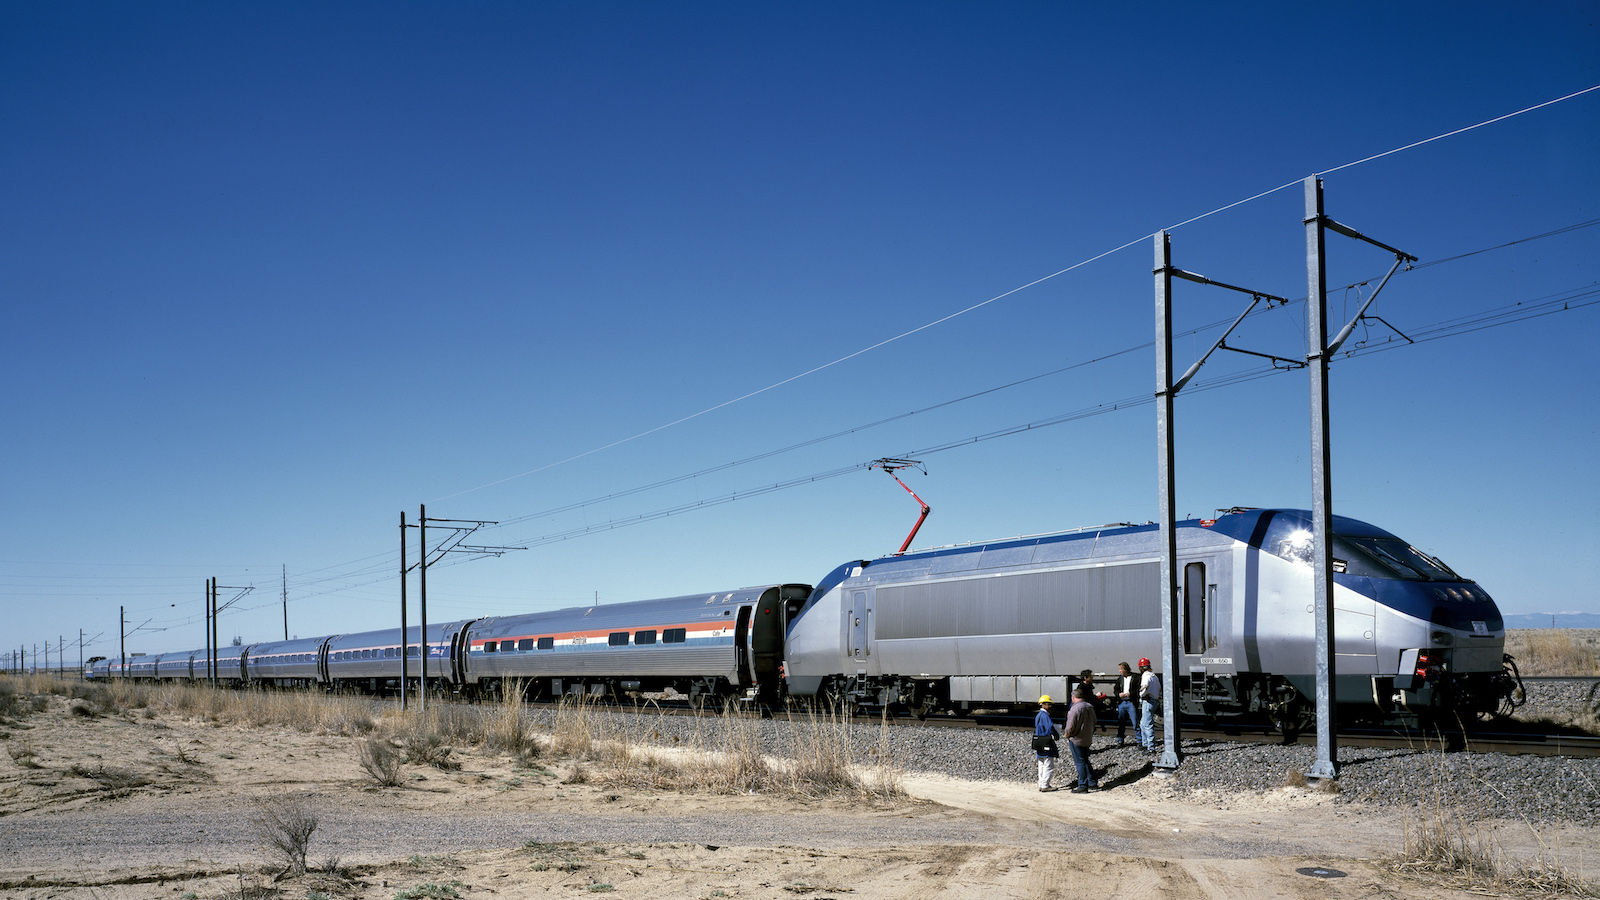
[[1280, 703]]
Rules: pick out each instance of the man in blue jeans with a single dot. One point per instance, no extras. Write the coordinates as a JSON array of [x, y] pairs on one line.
[[1150, 699], [1079, 729], [1127, 712]]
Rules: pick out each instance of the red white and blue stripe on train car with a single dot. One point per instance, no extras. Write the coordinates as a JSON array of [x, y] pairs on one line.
[[698, 634]]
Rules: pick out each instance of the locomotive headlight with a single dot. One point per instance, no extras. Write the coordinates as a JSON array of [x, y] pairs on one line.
[[1442, 638]]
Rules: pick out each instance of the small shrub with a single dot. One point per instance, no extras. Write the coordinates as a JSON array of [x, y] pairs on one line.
[[116, 782], [285, 825], [428, 750], [381, 761], [560, 857], [23, 754], [430, 891]]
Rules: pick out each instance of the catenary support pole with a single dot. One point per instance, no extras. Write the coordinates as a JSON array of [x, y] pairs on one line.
[[405, 637], [1165, 458], [1327, 761], [422, 600]]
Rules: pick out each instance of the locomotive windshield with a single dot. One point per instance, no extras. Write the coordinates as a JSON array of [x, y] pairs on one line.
[[1391, 558], [1369, 555]]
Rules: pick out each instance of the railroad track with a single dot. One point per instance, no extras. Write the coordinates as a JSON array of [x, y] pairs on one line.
[[1512, 743], [1529, 743]]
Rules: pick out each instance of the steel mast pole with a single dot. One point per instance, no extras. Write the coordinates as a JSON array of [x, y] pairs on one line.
[[1165, 461], [422, 523], [1327, 762], [405, 645]]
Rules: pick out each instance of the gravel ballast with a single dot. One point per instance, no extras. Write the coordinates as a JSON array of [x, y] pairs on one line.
[[1541, 789]]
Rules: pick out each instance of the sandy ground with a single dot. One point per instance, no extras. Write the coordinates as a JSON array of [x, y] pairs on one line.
[[133, 807]]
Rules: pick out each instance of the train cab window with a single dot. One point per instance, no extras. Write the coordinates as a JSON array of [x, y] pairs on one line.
[[490, 646], [674, 636], [644, 637], [525, 644], [618, 639], [547, 643]]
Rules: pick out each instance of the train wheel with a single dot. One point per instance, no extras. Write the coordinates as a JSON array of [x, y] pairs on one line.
[[837, 697], [1292, 718], [923, 702]]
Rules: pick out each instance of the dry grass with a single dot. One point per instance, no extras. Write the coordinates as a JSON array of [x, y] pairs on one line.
[[817, 757], [508, 729], [1555, 652], [1446, 843]]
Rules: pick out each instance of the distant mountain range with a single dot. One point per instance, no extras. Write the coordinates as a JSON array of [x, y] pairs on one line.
[[1553, 620]]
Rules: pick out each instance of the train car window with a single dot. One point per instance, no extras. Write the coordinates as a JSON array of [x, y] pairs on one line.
[[366, 654], [547, 643], [525, 644], [618, 639], [413, 652], [674, 636], [644, 637], [490, 646]]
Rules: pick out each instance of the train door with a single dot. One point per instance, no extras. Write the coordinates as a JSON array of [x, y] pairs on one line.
[[1208, 670], [741, 643], [1199, 614], [767, 623], [857, 611], [1206, 628]]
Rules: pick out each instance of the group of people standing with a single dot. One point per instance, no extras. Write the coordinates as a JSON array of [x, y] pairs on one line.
[[1079, 727]]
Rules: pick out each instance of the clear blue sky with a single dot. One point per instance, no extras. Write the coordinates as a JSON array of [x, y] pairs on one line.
[[275, 273]]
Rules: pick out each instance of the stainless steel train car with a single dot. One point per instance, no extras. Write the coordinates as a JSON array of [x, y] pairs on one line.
[[702, 647], [370, 660], [999, 624], [292, 663]]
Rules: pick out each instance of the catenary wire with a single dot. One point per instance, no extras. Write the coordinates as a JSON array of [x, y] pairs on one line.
[[1001, 296]]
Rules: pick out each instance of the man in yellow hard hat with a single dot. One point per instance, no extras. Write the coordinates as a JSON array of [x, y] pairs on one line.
[[1045, 731]]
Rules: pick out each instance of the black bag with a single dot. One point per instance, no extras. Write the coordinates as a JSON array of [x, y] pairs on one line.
[[1043, 742]]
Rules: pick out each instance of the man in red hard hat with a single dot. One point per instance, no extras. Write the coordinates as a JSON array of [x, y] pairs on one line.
[[1150, 702]]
